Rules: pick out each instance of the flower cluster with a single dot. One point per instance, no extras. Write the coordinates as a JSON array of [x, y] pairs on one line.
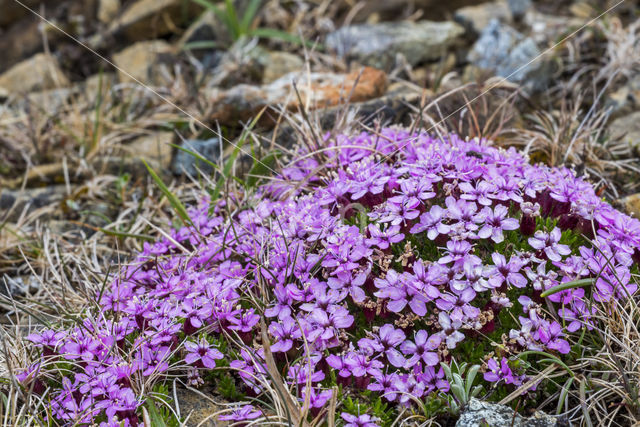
[[368, 274]]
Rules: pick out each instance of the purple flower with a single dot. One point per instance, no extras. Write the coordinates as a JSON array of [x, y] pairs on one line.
[[202, 354], [421, 349], [383, 239], [481, 193], [499, 372], [386, 342], [503, 271], [242, 413], [364, 420], [549, 242], [450, 332], [432, 223], [285, 331], [495, 222]]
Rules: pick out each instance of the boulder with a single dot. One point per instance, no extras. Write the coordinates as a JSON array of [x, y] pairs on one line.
[[377, 45], [481, 414], [184, 162], [317, 90], [477, 18], [507, 53], [39, 72], [139, 59]]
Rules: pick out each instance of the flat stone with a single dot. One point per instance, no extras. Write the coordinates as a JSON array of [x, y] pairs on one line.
[[40, 72], [627, 128], [279, 64], [477, 18], [108, 10], [154, 148], [509, 54], [481, 414], [148, 19], [139, 60], [377, 45], [317, 90], [519, 7], [184, 162]]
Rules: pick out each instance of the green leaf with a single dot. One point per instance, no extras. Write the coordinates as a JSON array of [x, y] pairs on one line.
[[173, 200], [204, 44], [122, 234], [568, 285], [154, 415], [261, 169], [222, 15], [249, 15]]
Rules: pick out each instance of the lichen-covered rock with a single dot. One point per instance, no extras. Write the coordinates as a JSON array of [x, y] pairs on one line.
[[481, 414], [377, 45]]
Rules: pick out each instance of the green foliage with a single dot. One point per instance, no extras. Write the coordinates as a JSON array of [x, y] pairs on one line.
[[461, 382], [370, 404], [241, 25]]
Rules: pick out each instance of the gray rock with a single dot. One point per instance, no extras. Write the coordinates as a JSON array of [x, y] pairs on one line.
[[519, 7], [207, 28], [627, 128], [509, 54], [198, 410], [154, 148], [482, 414], [477, 18], [377, 45], [29, 200], [280, 64], [184, 162]]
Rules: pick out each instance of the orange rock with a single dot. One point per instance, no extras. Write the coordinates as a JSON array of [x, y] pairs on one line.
[[316, 90]]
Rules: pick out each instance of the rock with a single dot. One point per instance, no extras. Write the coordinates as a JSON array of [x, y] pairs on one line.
[[507, 53], [108, 10], [51, 101], [148, 19], [280, 64], [153, 148], [627, 128], [13, 287], [184, 162], [138, 60], [198, 410], [377, 45], [631, 204], [317, 90], [480, 414], [96, 83], [40, 72], [477, 18], [519, 8]]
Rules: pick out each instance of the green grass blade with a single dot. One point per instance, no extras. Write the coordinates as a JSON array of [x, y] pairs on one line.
[[249, 15], [173, 200], [261, 169], [221, 14], [123, 234], [568, 285], [233, 19]]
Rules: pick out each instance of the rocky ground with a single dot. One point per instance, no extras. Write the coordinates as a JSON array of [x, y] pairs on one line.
[[90, 88]]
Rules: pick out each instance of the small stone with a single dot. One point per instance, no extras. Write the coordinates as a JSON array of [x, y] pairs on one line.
[[138, 60], [477, 18], [280, 64], [39, 72], [317, 90], [627, 128], [184, 162], [154, 148], [546, 29], [509, 54], [108, 10], [146, 19], [377, 45], [481, 414], [631, 204]]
